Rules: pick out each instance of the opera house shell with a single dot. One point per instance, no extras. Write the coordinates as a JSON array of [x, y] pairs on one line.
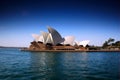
[[53, 37], [83, 43], [69, 40]]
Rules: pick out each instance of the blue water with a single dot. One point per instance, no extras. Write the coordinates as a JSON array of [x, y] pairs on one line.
[[20, 65]]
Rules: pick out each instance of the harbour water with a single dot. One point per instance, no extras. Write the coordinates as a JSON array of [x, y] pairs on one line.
[[20, 65]]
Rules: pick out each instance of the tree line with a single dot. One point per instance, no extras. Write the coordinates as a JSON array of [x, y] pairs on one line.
[[111, 43]]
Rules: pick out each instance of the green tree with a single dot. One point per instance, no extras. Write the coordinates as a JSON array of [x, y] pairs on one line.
[[110, 40], [105, 44], [117, 43]]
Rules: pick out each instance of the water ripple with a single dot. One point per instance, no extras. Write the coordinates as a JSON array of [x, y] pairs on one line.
[[17, 65]]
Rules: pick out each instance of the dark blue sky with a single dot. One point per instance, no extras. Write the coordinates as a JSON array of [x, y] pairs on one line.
[[94, 20]]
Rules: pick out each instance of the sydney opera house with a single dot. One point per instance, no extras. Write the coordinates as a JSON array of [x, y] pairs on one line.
[[53, 41]]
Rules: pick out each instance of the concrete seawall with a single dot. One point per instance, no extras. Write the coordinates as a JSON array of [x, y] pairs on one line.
[[71, 50]]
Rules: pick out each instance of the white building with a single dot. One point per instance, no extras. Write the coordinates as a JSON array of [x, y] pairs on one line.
[[53, 37]]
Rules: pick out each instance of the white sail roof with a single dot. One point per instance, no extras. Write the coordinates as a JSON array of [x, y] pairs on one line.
[[36, 37], [45, 36], [84, 43], [69, 40], [55, 36], [41, 39], [49, 39]]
